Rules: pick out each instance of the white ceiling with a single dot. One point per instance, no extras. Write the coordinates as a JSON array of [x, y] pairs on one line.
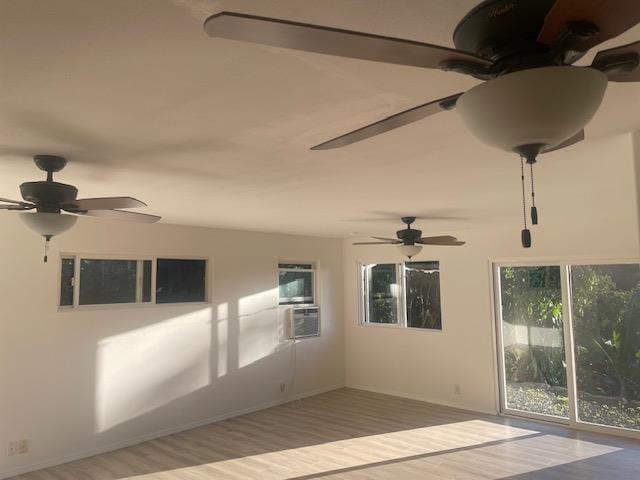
[[217, 133]]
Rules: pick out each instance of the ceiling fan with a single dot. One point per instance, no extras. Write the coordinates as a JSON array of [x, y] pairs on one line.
[[50, 198], [410, 240], [532, 100], [495, 39]]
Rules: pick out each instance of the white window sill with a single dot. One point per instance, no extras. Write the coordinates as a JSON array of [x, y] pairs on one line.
[[398, 327], [126, 306]]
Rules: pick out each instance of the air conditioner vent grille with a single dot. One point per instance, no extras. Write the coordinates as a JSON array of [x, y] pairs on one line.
[[305, 322]]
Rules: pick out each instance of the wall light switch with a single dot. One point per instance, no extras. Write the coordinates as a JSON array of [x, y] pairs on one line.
[[23, 446], [13, 448]]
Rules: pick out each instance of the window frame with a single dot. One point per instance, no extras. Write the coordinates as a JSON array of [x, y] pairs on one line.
[[78, 257], [314, 283], [402, 297]]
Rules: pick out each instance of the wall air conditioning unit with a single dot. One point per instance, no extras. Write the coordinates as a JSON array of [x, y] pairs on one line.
[[305, 322]]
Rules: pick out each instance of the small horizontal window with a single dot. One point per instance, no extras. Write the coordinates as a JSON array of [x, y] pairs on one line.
[[296, 283], [104, 281], [179, 281], [107, 281]]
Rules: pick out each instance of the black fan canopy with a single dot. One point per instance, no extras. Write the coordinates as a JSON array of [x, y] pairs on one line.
[[50, 198]]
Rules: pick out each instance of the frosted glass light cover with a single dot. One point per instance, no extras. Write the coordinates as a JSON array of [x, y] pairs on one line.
[[48, 224], [410, 250], [543, 106]]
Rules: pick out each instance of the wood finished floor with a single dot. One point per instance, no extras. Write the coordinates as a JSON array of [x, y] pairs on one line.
[[352, 434]]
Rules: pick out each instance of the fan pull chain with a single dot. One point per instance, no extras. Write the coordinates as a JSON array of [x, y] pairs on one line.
[[46, 247], [525, 235], [534, 209]]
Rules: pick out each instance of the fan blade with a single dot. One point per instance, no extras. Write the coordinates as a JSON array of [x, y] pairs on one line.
[[620, 64], [578, 137], [441, 241], [122, 215], [386, 239], [390, 123], [440, 238], [611, 17], [7, 200], [376, 243], [104, 203], [17, 207], [332, 41]]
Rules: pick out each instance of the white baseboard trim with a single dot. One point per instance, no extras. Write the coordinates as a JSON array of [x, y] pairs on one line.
[[52, 462], [421, 398]]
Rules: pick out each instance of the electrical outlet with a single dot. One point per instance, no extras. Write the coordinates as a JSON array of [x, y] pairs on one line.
[[457, 390], [13, 448], [283, 387], [23, 446]]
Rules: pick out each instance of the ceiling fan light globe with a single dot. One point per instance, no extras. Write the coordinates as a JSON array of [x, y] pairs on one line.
[[410, 250], [48, 224], [542, 106]]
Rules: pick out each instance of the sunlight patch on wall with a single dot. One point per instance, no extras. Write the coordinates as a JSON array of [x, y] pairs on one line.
[[258, 326], [223, 337], [143, 369]]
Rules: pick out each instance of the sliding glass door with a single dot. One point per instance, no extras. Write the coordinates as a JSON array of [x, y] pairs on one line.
[[606, 335], [532, 331], [569, 342]]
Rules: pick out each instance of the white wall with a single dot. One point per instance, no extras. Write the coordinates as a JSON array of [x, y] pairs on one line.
[[587, 201], [83, 381], [76, 382]]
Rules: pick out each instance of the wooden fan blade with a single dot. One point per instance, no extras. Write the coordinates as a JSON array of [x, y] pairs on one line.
[[578, 137], [611, 17], [620, 64], [17, 207], [390, 123], [104, 203], [332, 41], [17, 202], [443, 240], [386, 239], [453, 243], [375, 243], [122, 215], [439, 238]]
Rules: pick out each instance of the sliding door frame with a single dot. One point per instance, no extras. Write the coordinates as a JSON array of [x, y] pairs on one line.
[[565, 265]]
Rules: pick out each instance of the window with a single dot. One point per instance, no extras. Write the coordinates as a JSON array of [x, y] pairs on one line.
[[296, 283], [422, 286], [381, 293], [66, 281], [569, 338], [180, 281], [107, 281], [91, 280], [402, 294]]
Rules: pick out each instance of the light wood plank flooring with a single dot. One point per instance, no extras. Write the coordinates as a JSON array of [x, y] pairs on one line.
[[352, 434]]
